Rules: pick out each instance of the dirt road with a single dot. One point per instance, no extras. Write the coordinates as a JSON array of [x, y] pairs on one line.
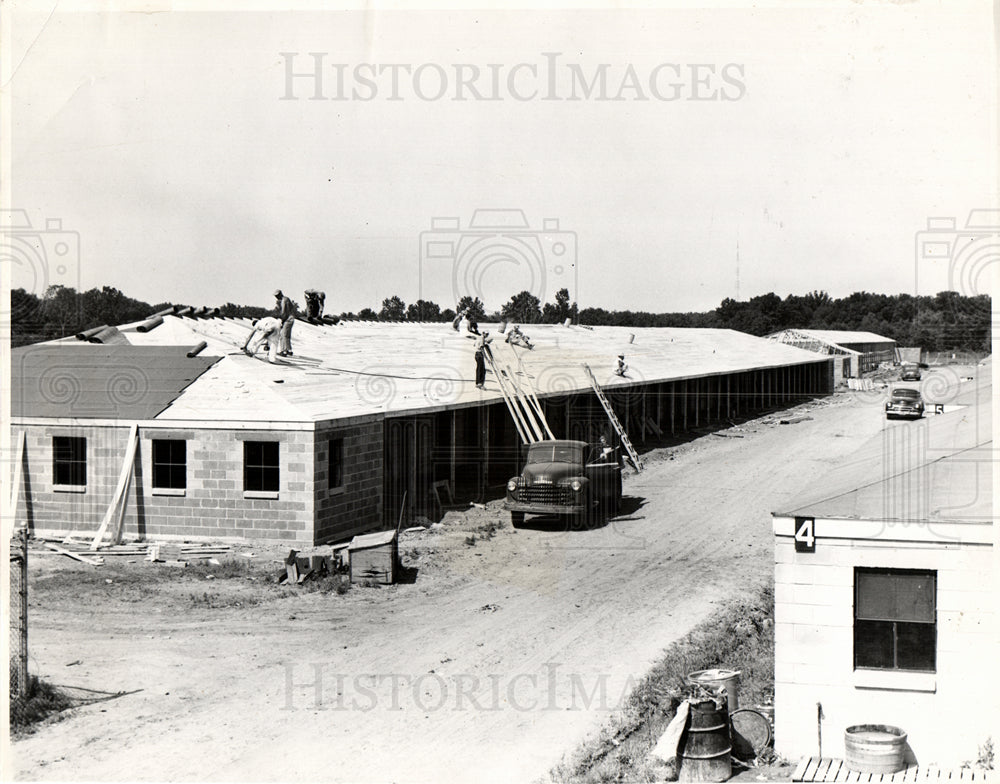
[[496, 661]]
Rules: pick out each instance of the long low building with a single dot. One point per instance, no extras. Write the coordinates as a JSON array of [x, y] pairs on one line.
[[365, 421], [854, 352]]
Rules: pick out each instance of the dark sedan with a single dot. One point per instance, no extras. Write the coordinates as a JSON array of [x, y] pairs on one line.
[[904, 402]]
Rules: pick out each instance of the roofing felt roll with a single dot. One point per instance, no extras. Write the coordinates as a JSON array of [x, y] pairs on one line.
[[152, 324]]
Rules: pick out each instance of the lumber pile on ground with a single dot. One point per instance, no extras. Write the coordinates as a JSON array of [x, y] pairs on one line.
[[173, 553]]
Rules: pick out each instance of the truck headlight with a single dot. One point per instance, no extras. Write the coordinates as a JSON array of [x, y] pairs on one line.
[[576, 484], [511, 485]]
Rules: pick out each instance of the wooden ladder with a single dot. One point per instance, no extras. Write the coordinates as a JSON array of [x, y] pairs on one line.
[[529, 419], [633, 456]]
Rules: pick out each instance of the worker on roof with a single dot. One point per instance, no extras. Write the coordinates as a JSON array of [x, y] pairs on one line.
[[482, 346], [314, 305], [457, 323], [284, 311], [517, 338], [265, 330], [622, 368]]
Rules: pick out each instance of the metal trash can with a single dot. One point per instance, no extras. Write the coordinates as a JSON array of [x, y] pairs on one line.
[[717, 680]]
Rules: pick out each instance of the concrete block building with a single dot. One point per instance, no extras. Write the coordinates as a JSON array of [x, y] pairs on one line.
[[365, 422], [885, 586]]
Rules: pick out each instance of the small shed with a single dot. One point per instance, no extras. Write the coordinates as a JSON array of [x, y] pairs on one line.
[[374, 557]]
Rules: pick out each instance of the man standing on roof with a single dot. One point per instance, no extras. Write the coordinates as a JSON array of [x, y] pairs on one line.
[[284, 311], [264, 330], [482, 346], [312, 304], [622, 368]]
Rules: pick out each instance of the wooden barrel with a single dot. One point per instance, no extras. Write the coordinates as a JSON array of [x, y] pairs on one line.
[[703, 753], [874, 748]]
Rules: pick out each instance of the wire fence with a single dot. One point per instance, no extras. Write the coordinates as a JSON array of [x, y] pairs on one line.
[[32, 698]]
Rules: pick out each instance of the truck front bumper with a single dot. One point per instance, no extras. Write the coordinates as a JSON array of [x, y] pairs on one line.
[[543, 509]]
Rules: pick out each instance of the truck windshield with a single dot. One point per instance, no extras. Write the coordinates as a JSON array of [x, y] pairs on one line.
[[555, 453]]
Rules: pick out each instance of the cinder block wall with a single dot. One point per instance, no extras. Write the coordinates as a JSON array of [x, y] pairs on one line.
[[357, 507], [213, 505], [946, 716]]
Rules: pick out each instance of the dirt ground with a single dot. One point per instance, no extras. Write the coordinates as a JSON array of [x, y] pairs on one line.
[[499, 655]]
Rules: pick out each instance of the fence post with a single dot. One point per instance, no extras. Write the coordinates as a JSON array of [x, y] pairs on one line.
[[22, 652]]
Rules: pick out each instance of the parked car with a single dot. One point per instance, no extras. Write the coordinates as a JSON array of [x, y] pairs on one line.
[[910, 373], [904, 402], [566, 478]]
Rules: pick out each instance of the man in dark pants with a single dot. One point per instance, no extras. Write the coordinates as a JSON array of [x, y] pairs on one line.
[[284, 311], [482, 346]]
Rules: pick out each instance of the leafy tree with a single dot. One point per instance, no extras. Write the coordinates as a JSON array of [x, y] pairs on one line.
[[524, 308], [561, 310], [367, 314], [393, 309], [61, 309], [423, 310], [475, 306]]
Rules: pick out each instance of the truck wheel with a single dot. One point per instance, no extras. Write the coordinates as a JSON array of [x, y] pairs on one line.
[[516, 519]]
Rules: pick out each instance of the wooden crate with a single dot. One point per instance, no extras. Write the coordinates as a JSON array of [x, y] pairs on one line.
[[374, 557]]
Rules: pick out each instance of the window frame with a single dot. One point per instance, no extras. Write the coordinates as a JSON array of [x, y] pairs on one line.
[[170, 488], [861, 625], [264, 490], [335, 445], [59, 465]]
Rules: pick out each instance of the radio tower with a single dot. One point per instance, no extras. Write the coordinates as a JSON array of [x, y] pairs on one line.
[[737, 269]]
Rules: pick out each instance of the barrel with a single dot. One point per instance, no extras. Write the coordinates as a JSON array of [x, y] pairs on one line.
[[703, 753], [874, 748], [716, 680]]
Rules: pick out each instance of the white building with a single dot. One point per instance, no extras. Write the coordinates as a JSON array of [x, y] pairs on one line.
[[884, 593]]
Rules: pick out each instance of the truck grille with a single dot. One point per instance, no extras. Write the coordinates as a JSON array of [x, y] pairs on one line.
[[546, 494]]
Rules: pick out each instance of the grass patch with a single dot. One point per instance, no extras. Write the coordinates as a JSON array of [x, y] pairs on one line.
[[740, 636], [488, 530], [42, 701]]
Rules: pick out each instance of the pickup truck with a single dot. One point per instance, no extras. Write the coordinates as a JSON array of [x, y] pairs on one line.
[[566, 478]]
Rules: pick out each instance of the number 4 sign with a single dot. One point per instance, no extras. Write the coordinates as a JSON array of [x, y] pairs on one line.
[[805, 534]]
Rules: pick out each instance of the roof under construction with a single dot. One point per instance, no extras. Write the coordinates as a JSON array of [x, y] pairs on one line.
[[118, 381], [839, 337], [358, 369]]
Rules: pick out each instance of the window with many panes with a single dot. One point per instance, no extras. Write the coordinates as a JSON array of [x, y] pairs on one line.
[[895, 619], [335, 469], [69, 460], [169, 464], [260, 466]]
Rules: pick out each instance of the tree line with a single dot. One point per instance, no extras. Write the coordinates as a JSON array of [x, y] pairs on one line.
[[946, 321]]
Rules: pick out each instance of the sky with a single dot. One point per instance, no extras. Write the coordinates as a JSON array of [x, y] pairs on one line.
[[731, 150]]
